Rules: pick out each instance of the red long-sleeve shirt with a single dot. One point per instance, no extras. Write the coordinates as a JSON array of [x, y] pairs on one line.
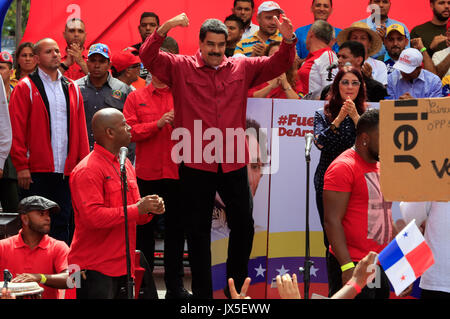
[[216, 96], [99, 239], [143, 108]]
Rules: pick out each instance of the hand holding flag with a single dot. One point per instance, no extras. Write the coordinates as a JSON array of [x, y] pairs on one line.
[[406, 258]]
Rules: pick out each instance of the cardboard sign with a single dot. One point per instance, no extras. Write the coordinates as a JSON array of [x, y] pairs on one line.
[[415, 149]]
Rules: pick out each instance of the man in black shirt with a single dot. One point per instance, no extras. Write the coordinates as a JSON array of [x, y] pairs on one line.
[[148, 23], [433, 32], [235, 27], [352, 52]]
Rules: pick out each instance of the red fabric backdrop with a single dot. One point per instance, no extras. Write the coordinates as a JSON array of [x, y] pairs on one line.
[[114, 22]]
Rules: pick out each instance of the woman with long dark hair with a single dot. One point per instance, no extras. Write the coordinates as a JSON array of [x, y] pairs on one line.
[[335, 125], [24, 60]]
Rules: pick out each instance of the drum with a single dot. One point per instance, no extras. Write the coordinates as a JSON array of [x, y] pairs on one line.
[[24, 290]]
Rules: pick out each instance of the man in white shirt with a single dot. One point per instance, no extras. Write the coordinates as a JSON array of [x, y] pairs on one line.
[[360, 32], [49, 134], [435, 216]]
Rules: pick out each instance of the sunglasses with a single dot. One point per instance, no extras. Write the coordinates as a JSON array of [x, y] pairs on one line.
[[348, 83]]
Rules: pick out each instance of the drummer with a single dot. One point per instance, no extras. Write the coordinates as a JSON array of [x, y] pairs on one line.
[[32, 255]]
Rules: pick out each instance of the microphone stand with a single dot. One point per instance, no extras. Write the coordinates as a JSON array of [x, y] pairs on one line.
[[306, 269], [130, 283]]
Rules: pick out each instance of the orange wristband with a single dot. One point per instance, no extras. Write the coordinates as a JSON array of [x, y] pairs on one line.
[[354, 285]]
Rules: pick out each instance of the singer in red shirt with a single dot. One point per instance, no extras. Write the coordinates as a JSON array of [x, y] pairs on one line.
[[98, 245], [211, 90]]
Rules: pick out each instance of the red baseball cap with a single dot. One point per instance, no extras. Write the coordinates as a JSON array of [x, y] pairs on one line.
[[5, 57], [125, 58]]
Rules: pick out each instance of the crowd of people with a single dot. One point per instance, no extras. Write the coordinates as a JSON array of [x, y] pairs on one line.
[[72, 110]]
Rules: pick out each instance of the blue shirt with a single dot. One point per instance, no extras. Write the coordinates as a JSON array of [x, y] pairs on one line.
[[389, 22], [389, 64], [426, 85], [301, 34]]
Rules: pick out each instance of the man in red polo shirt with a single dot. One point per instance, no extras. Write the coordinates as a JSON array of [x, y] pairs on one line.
[[210, 96], [32, 255], [315, 73], [74, 65], [150, 114], [98, 245]]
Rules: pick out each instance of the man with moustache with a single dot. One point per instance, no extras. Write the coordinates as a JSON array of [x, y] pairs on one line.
[[73, 64], [394, 42], [197, 82], [49, 134], [433, 32], [32, 255], [244, 10], [268, 32]]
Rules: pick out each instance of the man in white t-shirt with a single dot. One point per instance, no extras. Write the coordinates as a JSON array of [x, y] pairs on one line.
[[435, 282], [361, 32]]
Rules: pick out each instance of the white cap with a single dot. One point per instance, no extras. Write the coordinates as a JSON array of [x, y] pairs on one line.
[[409, 60], [269, 6]]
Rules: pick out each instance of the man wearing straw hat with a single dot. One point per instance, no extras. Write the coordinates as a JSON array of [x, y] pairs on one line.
[[360, 32]]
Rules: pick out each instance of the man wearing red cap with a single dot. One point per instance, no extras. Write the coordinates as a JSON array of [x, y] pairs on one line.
[[125, 66]]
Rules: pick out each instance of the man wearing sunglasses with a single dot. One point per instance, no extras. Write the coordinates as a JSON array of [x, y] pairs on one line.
[[126, 65]]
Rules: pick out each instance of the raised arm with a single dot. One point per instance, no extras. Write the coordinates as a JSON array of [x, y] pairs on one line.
[[160, 63]]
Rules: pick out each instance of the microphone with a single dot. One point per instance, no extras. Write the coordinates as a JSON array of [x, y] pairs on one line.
[[123, 157], [7, 276], [308, 144], [332, 66]]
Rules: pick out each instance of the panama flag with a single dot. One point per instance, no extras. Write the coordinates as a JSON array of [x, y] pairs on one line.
[[406, 258]]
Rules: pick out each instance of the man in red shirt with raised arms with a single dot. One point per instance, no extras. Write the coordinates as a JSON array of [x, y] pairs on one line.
[[98, 245], [210, 96]]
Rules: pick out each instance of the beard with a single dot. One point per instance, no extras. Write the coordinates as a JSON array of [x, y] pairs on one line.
[[44, 230], [373, 154], [439, 16]]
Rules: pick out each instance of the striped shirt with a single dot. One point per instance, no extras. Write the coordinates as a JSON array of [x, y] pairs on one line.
[[245, 46]]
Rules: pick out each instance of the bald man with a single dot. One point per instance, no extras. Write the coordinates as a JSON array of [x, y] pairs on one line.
[[49, 134], [98, 245]]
